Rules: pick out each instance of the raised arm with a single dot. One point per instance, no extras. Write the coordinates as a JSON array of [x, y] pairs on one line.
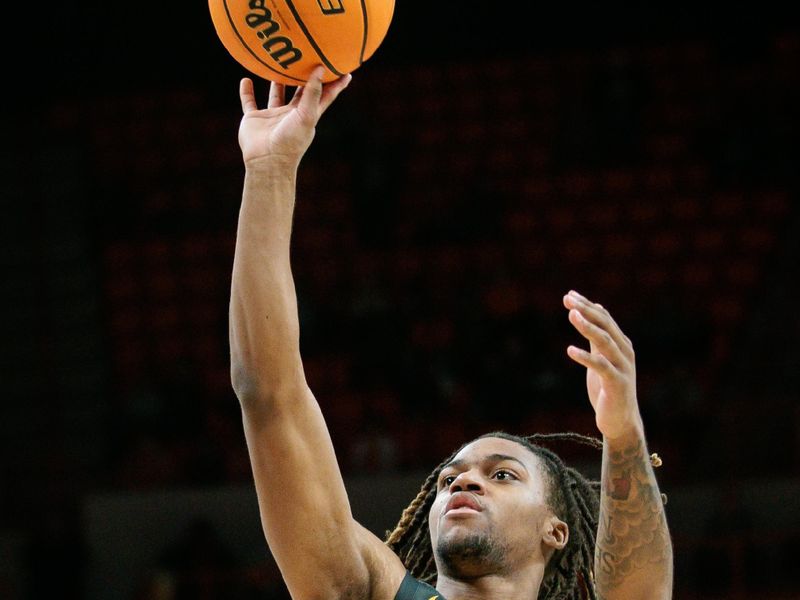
[[321, 551], [633, 553]]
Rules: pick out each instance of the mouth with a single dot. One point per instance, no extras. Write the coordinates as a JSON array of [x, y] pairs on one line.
[[462, 504]]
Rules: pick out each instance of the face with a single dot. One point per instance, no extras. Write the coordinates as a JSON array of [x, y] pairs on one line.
[[490, 513]]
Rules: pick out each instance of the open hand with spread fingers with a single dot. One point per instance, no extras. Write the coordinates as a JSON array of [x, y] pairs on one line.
[[610, 367], [284, 130]]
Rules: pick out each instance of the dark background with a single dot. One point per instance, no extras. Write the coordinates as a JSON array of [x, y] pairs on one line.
[[481, 164]]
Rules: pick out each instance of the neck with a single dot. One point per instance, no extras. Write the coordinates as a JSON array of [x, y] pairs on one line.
[[522, 584]]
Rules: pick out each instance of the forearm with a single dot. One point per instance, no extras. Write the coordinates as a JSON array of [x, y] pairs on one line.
[[633, 553], [264, 326]]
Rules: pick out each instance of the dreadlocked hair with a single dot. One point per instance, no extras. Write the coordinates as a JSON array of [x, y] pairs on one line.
[[573, 498]]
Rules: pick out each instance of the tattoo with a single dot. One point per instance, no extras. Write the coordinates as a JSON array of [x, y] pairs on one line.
[[620, 487], [632, 533]]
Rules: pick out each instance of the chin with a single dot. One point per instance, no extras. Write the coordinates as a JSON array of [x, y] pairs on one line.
[[469, 553]]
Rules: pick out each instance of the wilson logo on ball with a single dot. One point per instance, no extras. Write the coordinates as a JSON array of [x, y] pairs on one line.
[[283, 40], [279, 47]]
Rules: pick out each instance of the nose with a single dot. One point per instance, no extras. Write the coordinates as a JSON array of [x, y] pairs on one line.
[[467, 481]]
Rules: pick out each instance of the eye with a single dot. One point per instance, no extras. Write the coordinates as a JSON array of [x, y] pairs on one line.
[[503, 475], [448, 480]]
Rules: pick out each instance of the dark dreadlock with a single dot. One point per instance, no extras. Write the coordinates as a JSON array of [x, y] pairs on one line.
[[576, 500]]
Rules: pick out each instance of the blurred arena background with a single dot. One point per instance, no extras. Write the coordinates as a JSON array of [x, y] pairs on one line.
[[481, 164]]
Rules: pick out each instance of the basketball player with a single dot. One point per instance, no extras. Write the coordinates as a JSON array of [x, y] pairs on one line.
[[502, 518]]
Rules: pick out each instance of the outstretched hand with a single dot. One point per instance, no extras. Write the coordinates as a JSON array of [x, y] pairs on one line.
[[610, 367], [284, 131]]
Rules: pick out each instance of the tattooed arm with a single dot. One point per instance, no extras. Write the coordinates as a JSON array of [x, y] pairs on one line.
[[633, 553]]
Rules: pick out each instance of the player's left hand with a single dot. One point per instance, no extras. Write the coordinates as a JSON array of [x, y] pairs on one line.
[[610, 367]]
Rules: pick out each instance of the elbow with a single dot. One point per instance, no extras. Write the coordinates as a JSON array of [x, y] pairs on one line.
[[244, 386], [260, 395], [249, 388]]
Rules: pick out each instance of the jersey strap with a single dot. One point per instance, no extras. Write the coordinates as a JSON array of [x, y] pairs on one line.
[[411, 589]]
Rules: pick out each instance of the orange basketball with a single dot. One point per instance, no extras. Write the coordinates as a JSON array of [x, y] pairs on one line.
[[283, 40]]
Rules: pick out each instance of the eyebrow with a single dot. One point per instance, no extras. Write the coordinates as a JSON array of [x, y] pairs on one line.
[[490, 458]]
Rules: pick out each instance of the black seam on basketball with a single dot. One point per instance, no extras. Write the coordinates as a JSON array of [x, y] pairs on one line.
[[366, 30], [250, 50], [311, 40]]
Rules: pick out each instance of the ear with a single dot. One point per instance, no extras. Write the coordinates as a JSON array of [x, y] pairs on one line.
[[556, 533]]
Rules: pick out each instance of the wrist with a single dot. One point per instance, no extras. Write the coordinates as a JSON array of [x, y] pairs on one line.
[[273, 166], [268, 200], [626, 434], [270, 174]]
